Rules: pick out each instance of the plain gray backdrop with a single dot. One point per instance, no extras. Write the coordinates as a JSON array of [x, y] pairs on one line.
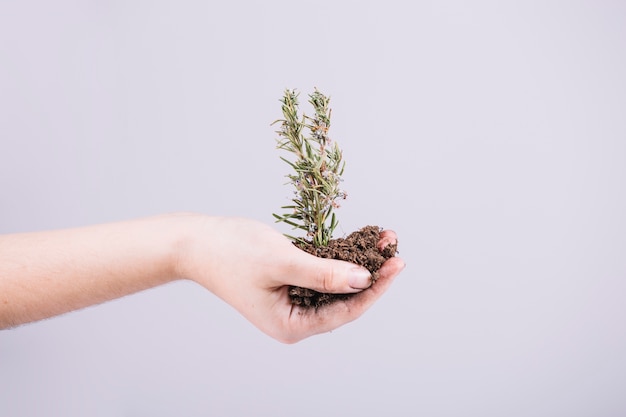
[[491, 136]]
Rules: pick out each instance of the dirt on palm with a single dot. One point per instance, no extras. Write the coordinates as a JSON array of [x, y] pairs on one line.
[[360, 247]]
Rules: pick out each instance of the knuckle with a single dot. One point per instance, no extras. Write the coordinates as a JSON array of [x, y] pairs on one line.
[[327, 280]]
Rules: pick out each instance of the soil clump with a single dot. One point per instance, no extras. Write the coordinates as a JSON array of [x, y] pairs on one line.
[[360, 247]]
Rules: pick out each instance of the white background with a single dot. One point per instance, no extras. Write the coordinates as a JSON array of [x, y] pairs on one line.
[[491, 136]]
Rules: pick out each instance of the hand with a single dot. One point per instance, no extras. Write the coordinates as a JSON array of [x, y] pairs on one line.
[[251, 266]]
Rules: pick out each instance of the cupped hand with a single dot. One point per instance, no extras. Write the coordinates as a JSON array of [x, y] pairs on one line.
[[250, 266]]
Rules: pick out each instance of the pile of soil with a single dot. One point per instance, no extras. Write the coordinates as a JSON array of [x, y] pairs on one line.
[[360, 247]]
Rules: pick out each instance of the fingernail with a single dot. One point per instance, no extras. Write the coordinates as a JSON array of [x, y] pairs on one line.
[[360, 278]]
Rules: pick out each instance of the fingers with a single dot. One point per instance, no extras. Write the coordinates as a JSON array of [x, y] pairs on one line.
[[387, 237], [334, 315], [333, 276], [359, 303]]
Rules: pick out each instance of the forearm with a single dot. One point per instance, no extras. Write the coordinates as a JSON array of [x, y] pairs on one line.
[[49, 273]]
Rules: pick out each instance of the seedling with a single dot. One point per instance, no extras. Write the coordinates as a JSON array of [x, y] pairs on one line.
[[317, 166]]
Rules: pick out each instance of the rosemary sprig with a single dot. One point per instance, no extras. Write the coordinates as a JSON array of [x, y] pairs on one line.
[[318, 167]]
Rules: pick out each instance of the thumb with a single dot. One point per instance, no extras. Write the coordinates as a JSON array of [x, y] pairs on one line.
[[331, 276]]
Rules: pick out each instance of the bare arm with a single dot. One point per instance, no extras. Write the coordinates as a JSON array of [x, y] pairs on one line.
[[48, 273], [244, 262]]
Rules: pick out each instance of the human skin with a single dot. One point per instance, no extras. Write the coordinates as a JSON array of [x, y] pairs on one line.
[[244, 262]]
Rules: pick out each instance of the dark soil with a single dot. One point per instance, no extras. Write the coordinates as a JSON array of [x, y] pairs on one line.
[[359, 247]]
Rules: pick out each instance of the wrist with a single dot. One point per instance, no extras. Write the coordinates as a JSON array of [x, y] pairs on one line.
[[187, 231]]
